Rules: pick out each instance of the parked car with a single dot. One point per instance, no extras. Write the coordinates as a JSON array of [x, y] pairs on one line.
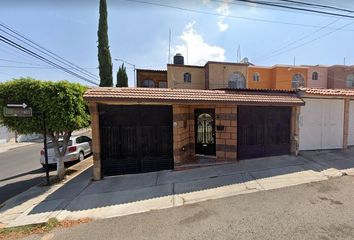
[[78, 148]]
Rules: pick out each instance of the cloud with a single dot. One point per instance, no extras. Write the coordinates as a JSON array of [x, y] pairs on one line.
[[223, 9], [199, 52]]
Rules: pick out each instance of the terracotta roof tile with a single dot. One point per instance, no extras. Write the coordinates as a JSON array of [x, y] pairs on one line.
[[328, 92], [190, 96]]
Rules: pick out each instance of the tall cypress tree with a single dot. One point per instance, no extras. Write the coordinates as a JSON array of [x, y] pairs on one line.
[[104, 55], [122, 78]]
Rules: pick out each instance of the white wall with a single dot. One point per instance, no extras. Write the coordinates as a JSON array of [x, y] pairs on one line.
[[321, 124]]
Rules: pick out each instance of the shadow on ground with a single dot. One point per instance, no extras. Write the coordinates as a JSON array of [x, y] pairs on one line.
[[272, 172]]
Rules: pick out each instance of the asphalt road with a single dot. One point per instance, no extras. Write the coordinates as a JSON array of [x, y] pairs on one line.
[[322, 210], [19, 170]]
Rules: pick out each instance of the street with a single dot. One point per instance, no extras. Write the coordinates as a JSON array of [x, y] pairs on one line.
[[322, 210], [19, 170]]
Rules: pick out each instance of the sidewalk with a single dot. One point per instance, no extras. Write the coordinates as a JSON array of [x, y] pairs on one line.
[[128, 194], [4, 147]]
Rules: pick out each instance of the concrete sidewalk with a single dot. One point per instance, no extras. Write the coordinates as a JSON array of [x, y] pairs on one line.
[[128, 194]]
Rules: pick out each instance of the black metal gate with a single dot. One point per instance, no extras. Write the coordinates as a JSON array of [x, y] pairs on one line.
[[135, 138], [263, 131]]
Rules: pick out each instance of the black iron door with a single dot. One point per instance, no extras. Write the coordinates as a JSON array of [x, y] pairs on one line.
[[263, 131], [205, 131], [135, 138]]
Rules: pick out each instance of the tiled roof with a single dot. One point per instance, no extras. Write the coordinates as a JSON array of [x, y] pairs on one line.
[[328, 92], [166, 95]]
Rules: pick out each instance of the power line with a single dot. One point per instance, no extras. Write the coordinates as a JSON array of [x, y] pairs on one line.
[[46, 51], [295, 8], [230, 16], [299, 39], [12, 61], [310, 41], [33, 54], [319, 5]]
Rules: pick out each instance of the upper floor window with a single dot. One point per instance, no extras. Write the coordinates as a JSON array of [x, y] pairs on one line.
[[148, 83], [315, 76], [256, 77], [350, 80], [162, 84], [237, 80], [187, 77], [297, 81]]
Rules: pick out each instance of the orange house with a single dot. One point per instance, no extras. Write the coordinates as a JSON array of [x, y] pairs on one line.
[[282, 77]]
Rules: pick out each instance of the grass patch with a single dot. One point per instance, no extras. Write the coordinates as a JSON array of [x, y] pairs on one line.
[[22, 231]]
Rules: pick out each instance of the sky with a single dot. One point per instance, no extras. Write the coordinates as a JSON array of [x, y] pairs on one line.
[[201, 30]]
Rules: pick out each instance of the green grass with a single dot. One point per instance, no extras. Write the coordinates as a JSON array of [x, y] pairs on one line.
[[29, 229]]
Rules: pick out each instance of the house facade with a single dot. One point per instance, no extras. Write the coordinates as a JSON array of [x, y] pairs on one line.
[[151, 78], [341, 76], [140, 130]]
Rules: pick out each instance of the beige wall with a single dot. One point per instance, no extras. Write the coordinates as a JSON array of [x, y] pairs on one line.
[[322, 77], [175, 76], [219, 73]]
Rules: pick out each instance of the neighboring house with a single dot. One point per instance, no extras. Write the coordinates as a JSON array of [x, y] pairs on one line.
[[281, 77], [341, 76], [151, 78], [141, 130], [6, 135], [317, 76], [327, 119]]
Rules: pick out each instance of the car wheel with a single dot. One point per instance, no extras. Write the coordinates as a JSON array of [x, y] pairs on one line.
[[81, 156]]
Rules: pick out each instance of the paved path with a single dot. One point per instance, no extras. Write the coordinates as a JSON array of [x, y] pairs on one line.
[[314, 211]]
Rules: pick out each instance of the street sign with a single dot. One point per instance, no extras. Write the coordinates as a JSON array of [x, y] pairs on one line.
[[23, 105], [17, 112]]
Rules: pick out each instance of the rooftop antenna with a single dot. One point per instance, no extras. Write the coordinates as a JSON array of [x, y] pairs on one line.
[[238, 54], [294, 60], [169, 46], [344, 61]]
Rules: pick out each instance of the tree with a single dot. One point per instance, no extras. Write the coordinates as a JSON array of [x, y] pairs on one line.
[[104, 55], [122, 78], [63, 105]]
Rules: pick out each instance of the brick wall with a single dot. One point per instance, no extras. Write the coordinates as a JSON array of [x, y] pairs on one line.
[[184, 132]]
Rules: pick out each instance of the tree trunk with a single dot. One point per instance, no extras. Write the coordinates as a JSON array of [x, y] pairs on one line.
[[60, 168]]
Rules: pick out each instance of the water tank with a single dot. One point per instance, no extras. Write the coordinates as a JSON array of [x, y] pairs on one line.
[[178, 59]]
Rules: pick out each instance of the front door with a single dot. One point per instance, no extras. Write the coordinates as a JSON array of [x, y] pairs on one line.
[[205, 131]]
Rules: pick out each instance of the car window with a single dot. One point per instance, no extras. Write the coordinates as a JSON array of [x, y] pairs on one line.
[[86, 139], [79, 140], [51, 145]]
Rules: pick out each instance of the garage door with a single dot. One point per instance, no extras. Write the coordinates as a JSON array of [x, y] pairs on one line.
[[321, 124], [263, 131], [135, 139], [351, 124]]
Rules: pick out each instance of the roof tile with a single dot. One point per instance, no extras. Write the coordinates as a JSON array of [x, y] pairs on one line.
[[191, 96]]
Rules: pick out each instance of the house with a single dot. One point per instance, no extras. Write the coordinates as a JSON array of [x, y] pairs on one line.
[[341, 76], [149, 129], [327, 119], [282, 77], [151, 78], [317, 76]]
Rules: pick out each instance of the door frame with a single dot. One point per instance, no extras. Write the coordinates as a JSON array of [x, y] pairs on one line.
[[210, 111]]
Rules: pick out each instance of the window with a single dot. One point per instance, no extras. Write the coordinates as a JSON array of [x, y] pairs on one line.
[[162, 84], [148, 83], [256, 77], [315, 76], [237, 80], [187, 77], [297, 81], [350, 80]]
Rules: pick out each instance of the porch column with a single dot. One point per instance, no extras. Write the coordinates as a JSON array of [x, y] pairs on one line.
[[96, 148], [294, 131], [346, 123]]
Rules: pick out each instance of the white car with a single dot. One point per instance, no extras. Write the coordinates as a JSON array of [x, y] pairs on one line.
[[78, 148]]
